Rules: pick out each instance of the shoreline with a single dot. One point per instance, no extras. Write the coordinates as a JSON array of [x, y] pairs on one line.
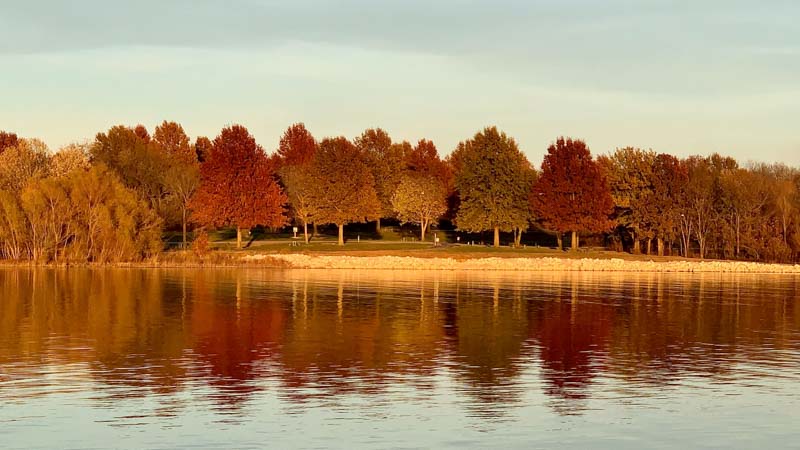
[[302, 261], [522, 264]]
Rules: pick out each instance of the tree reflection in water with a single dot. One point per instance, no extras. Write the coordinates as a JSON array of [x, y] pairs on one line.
[[320, 338]]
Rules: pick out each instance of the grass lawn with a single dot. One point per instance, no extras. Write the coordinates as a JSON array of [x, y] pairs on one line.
[[395, 241]]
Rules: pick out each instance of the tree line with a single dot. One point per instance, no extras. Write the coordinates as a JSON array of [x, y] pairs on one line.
[[111, 199]]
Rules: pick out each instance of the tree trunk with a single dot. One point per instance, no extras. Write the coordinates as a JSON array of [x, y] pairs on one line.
[[305, 232], [738, 240], [378, 225], [497, 236], [636, 248], [518, 238], [238, 237], [660, 245], [314, 233], [422, 227], [184, 228], [341, 234], [559, 241], [575, 243], [649, 241]]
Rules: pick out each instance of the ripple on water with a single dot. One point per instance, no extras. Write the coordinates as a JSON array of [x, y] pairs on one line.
[[247, 358]]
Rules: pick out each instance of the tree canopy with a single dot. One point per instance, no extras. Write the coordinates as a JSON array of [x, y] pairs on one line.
[[572, 193], [237, 185], [343, 185], [420, 199], [493, 181]]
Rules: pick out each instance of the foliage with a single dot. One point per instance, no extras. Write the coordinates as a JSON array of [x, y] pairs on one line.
[[110, 200], [297, 146], [237, 187], [13, 226], [87, 216], [202, 147], [172, 140], [630, 177], [572, 193], [200, 244], [669, 179], [386, 163], [493, 181], [140, 165], [420, 199], [296, 152], [7, 140], [343, 185], [69, 159], [424, 159], [25, 161]]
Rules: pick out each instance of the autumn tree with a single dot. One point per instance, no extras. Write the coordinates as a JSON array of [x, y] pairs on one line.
[[237, 187], [745, 194], [700, 202], [13, 226], [202, 147], [170, 138], [493, 183], [572, 193], [386, 163], [297, 146], [7, 140], [296, 152], [112, 223], [784, 198], [141, 132], [182, 181], [344, 187], [25, 161], [663, 204], [140, 165], [181, 177], [420, 199], [47, 204], [630, 177], [68, 159], [86, 215], [424, 159]]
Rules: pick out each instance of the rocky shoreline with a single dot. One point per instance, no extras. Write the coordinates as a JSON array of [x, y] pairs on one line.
[[544, 264]]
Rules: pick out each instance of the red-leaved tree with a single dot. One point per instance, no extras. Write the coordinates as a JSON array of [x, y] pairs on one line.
[[237, 187], [297, 146], [572, 193], [7, 140]]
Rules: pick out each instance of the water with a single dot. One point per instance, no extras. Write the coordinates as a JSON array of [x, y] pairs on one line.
[[128, 358]]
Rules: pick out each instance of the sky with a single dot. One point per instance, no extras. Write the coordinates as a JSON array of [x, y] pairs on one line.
[[680, 77]]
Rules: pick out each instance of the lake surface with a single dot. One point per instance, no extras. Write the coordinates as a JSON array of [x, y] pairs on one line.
[[231, 358]]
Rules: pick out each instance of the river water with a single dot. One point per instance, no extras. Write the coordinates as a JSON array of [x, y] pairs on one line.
[[232, 358]]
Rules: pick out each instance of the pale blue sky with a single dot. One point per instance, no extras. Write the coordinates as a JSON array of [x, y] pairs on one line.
[[677, 76]]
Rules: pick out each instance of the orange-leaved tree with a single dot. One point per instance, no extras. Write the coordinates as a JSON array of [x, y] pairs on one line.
[[297, 146], [7, 140], [343, 185], [572, 193], [174, 141], [202, 147], [237, 187], [296, 151], [182, 174], [385, 160]]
